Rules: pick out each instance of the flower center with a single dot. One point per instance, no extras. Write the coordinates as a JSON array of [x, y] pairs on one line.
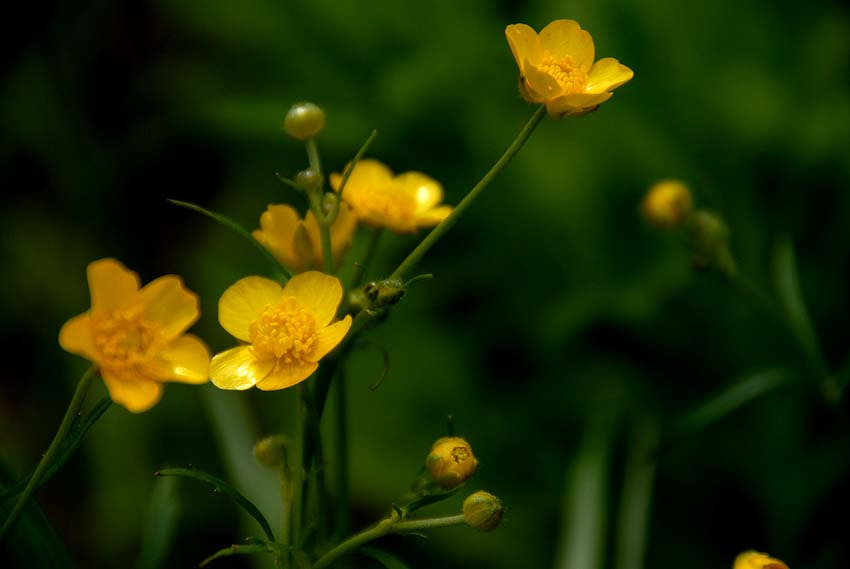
[[460, 454], [284, 331], [568, 75], [125, 339]]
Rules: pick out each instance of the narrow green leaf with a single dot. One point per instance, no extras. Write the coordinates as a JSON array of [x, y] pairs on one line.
[[223, 486], [284, 273], [35, 541], [69, 445], [729, 399], [384, 558], [235, 550], [347, 173], [428, 498]]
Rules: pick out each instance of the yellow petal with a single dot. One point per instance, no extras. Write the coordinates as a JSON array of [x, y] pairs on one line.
[[237, 368], [606, 75], [277, 232], [342, 233], [76, 336], [287, 375], [433, 216], [566, 38], [541, 83], [575, 103], [242, 302], [186, 359], [168, 302], [527, 92], [366, 174], [524, 43], [317, 293], [111, 284], [132, 390], [329, 336], [425, 190]]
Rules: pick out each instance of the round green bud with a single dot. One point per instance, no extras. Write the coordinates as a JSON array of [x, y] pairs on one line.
[[304, 121], [483, 511], [330, 205], [309, 179], [271, 450]]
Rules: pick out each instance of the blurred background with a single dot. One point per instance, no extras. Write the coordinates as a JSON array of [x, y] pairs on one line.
[[565, 336]]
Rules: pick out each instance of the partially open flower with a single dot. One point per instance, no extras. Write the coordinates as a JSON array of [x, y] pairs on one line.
[[483, 511], [136, 335], [451, 461], [556, 68], [288, 330], [667, 204], [402, 203], [756, 560], [297, 242]]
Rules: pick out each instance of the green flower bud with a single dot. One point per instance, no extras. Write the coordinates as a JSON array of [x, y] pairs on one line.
[[304, 121], [709, 237], [330, 206], [483, 511], [309, 179], [271, 451]]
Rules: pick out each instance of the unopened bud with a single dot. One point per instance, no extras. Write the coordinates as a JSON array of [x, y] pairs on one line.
[[710, 241], [330, 206], [304, 120], [483, 511], [451, 461], [756, 560], [667, 204], [309, 179], [271, 450]]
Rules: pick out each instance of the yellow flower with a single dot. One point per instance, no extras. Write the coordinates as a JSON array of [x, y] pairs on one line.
[[451, 461], [667, 204], [297, 242], [756, 560], [483, 511], [402, 203], [136, 336], [288, 328], [556, 67]]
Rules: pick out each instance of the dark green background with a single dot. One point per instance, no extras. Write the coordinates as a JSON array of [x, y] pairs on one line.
[[557, 326]]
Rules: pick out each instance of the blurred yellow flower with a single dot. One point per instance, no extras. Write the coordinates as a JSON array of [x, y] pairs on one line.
[[756, 560], [297, 242], [556, 68], [402, 203], [451, 461], [288, 329], [136, 337], [667, 204]]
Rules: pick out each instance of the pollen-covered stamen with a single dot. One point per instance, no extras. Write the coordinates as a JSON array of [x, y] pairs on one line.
[[125, 339], [569, 76], [460, 454], [284, 331]]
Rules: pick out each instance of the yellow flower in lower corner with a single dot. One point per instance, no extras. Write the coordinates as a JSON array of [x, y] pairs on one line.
[[556, 68], [296, 242], [136, 336], [288, 329], [756, 560], [402, 203]]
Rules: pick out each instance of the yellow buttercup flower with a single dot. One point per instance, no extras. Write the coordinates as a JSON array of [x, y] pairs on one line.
[[136, 336], [288, 329], [756, 560], [402, 203], [297, 242], [556, 68], [451, 461]]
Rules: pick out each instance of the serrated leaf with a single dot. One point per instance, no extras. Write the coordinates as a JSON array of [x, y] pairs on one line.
[[220, 485]]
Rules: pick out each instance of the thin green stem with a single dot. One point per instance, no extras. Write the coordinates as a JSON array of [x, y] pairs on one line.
[[313, 155], [441, 229], [382, 528], [70, 414], [371, 247], [297, 470], [350, 168], [342, 466], [327, 249]]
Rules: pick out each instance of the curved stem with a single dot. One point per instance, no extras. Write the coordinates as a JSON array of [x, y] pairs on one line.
[[61, 433], [384, 527], [452, 218]]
